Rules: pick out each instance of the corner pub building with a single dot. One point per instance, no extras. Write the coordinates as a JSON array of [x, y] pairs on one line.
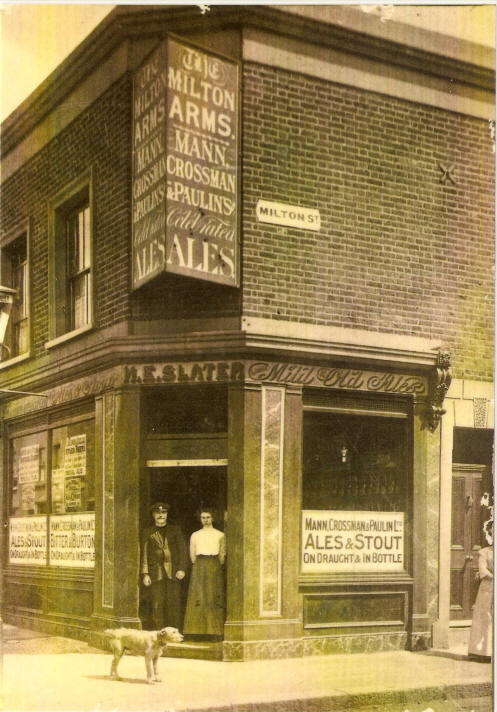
[[252, 252]]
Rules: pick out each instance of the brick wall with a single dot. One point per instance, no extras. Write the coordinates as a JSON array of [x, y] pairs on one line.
[[99, 138], [398, 250]]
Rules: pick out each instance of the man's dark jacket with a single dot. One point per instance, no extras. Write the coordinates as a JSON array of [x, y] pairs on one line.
[[163, 552]]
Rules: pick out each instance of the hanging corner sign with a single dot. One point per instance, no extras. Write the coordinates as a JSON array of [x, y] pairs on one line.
[[185, 207]]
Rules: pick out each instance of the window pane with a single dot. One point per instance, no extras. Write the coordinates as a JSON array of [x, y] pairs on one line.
[[72, 468], [86, 252], [28, 471], [72, 236], [354, 463], [21, 336], [78, 265], [15, 275], [80, 301]]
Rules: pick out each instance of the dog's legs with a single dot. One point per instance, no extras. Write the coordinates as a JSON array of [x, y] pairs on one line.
[[115, 662], [148, 665], [155, 660]]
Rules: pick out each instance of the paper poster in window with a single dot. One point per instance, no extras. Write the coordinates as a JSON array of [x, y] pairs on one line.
[[28, 464], [75, 456], [28, 497], [58, 476], [73, 493]]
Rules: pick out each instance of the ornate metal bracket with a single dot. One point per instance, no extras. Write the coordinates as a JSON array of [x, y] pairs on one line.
[[440, 379]]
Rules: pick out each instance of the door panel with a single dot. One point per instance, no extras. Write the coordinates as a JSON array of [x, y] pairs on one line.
[[467, 525]]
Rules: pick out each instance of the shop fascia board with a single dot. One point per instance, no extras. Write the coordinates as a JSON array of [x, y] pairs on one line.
[[151, 23], [340, 343], [96, 351], [111, 347]]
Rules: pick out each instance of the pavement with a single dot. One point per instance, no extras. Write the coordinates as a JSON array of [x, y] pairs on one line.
[[42, 672]]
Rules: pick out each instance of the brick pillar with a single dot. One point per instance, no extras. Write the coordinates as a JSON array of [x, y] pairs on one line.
[[117, 446]]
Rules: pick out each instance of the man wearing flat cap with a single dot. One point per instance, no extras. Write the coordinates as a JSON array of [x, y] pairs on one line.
[[163, 567]]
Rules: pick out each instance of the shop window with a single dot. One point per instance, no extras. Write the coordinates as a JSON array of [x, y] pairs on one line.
[[29, 491], [72, 480], [52, 497], [15, 274], [354, 462], [71, 263], [68, 477]]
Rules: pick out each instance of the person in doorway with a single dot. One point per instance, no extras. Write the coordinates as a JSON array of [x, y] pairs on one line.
[[163, 566], [480, 638], [204, 614]]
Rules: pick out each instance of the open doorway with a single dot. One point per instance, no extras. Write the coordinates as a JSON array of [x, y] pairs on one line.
[[186, 487]]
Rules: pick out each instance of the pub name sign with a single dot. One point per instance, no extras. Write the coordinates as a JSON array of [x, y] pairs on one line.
[[185, 212]]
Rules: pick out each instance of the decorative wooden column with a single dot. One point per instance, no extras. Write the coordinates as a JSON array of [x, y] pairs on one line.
[[425, 533], [264, 441], [117, 446]]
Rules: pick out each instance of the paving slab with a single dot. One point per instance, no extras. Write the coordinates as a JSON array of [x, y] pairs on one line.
[[79, 681]]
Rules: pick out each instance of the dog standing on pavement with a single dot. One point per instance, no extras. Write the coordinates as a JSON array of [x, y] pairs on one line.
[[149, 643]]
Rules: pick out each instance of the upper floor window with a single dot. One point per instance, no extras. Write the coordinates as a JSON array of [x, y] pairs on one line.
[[14, 263], [71, 262], [78, 267]]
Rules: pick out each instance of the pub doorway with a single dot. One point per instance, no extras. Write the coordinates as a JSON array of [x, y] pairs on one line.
[[187, 486]]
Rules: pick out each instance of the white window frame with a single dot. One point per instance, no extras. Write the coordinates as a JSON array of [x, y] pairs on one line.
[[73, 196], [19, 231]]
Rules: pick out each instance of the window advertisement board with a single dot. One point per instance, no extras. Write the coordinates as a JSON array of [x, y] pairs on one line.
[[185, 165], [336, 541], [28, 540], [72, 540]]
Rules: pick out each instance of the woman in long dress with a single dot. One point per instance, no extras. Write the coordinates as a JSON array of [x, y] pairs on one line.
[[205, 606], [480, 638]]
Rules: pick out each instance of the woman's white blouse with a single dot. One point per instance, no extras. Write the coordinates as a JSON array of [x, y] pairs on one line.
[[208, 542]]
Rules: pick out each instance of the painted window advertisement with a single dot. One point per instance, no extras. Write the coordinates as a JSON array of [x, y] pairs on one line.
[[28, 540], [185, 165], [72, 540], [336, 541]]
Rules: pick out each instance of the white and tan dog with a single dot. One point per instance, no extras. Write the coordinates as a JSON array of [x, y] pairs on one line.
[[149, 643]]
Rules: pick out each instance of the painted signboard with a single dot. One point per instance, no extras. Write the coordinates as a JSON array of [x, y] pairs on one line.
[[149, 168], [273, 372], [28, 540], [185, 165], [72, 540], [336, 541], [288, 215]]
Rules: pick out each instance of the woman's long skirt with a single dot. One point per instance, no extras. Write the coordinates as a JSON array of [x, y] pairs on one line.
[[205, 605], [480, 638]]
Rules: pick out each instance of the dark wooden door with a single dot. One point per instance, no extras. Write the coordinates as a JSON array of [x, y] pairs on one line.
[[467, 526]]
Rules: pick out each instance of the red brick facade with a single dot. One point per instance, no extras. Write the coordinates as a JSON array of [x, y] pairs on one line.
[[399, 251]]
